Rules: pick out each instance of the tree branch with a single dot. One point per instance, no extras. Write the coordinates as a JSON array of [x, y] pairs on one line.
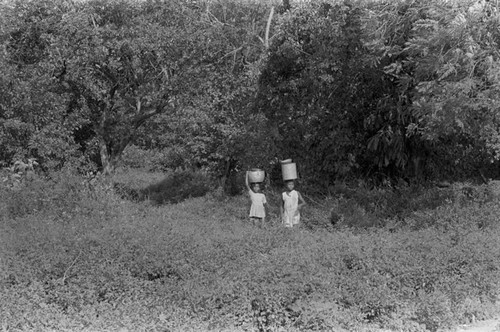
[[268, 27], [139, 119]]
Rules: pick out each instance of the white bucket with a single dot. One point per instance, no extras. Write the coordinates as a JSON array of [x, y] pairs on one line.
[[256, 175], [288, 170]]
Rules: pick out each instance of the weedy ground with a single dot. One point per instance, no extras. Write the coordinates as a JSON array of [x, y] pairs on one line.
[[76, 256]]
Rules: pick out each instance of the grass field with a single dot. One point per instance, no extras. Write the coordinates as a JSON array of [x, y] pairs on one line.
[[80, 258]]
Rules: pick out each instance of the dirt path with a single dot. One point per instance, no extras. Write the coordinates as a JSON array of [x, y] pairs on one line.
[[490, 325]]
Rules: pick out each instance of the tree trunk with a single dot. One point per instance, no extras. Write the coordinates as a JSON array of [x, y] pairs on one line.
[[107, 167], [109, 160], [226, 182], [111, 151]]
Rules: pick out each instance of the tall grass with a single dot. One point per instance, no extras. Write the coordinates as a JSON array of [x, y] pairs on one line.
[[100, 263]]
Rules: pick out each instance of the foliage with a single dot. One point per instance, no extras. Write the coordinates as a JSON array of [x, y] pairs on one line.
[[60, 195], [129, 66], [221, 130], [198, 265], [18, 173], [170, 187], [363, 207], [151, 159], [177, 187], [366, 76], [33, 116], [431, 53], [303, 85], [379, 90]]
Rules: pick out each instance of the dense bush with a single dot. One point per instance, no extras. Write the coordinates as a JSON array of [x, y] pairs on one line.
[[153, 159], [169, 187], [378, 89], [362, 207], [61, 194], [178, 186]]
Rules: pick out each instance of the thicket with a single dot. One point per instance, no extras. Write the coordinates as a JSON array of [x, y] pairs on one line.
[[374, 90], [174, 187], [85, 259]]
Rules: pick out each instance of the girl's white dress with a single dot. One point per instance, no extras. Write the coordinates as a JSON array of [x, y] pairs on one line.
[[257, 208], [291, 215]]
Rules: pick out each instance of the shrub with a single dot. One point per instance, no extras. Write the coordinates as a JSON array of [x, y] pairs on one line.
[[360, 207], [61, 194], [178, 186], [152, 159]]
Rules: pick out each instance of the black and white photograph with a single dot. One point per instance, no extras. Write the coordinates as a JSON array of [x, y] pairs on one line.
[[249, 165]]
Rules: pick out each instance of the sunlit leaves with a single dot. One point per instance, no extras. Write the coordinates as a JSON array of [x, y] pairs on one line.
[[457, 92]]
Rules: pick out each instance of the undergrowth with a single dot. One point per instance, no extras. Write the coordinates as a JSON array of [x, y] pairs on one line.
[[78, 257], [172, 187]]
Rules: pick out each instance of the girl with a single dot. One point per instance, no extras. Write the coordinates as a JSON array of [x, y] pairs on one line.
[[292, 202], [258, 199]]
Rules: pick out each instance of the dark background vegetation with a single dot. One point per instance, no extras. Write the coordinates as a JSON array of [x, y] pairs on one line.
[[126, 128], [350, 90]]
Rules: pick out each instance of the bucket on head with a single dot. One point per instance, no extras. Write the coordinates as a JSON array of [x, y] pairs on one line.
[[256, 175], [288, 170]]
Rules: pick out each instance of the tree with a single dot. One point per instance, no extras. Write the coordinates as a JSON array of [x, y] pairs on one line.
[[454, 52], [32, 116], [367, 88], [316, 88], [122, 63], [221, 129], [117, 65]]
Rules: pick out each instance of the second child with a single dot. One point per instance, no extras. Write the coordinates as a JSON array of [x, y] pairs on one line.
[[291, 203]]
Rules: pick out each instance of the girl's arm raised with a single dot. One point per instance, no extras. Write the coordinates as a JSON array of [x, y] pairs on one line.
[[246, 181]]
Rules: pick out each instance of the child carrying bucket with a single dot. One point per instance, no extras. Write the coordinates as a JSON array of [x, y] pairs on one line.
[[258, 199], [291, 199]]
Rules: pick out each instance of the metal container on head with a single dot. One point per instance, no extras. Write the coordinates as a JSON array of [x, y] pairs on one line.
[[288, 170], [256, 175]]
